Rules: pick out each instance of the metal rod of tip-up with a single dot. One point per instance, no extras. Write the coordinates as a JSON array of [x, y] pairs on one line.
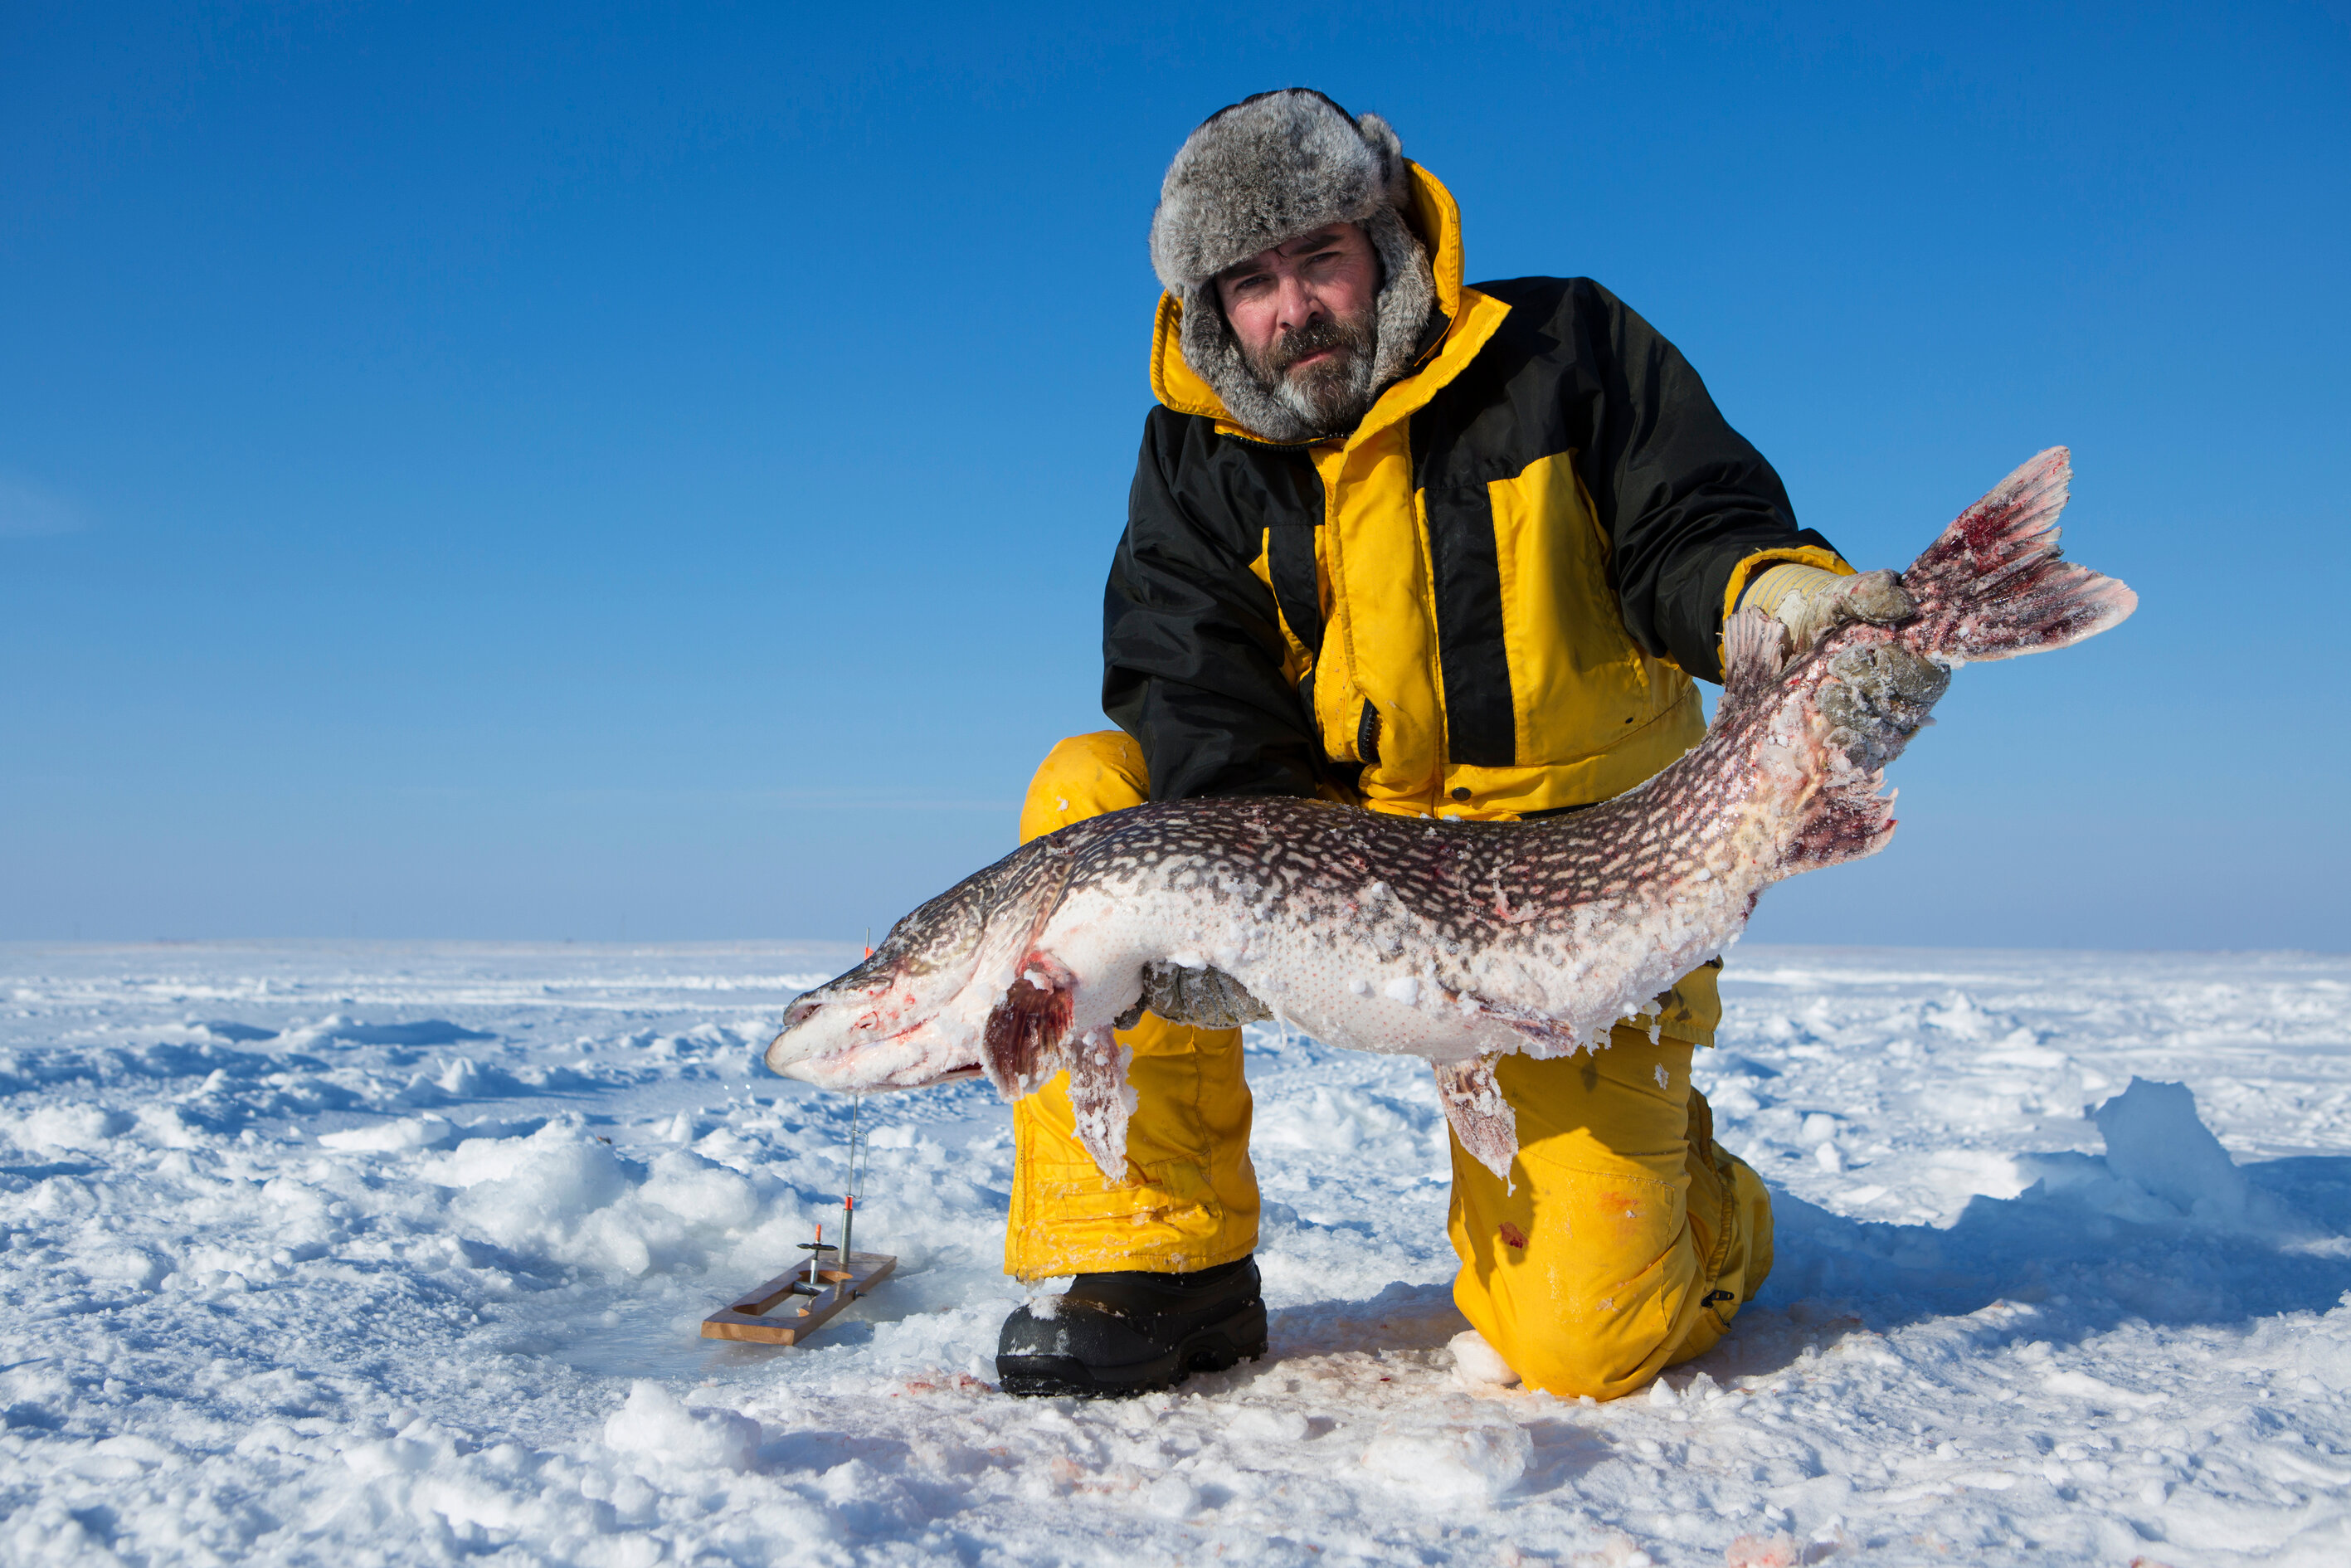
[[816, 1250], [854, 1187]]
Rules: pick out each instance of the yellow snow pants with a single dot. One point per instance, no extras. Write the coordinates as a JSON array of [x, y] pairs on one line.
[[1628, 1238]]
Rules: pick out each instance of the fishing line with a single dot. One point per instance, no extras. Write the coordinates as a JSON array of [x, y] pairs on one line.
[[856, 1182], [856, 1185]]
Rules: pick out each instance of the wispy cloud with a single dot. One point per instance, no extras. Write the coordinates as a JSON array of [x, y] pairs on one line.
[[29, 512]]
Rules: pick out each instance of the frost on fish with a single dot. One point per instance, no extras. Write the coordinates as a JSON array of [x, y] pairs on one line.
[[1456, 941]]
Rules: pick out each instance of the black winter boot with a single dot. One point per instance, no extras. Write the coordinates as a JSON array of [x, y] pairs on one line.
[[1119, 1334]]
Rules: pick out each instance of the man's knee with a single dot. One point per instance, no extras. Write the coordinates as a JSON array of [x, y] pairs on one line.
[[1588, 1292], [1588, 1360], [1084, 776], [1589, 1319], [1601, 1266]]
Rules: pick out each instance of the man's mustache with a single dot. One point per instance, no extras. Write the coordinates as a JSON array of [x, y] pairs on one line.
[[1329, 332]]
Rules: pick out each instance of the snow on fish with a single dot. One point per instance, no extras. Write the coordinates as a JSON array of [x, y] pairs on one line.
[[1459, 942]]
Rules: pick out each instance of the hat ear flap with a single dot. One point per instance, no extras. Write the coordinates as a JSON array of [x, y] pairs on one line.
[[1408, 299], [1214, 356], [1388, 148]]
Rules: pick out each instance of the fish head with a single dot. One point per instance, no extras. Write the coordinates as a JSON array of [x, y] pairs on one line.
[[956, 988], [894, 1021]]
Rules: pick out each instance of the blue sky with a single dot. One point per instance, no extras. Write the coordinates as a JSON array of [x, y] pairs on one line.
[[572, 471]]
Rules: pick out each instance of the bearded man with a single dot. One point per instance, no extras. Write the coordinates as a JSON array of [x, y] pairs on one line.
[[1434, 550]]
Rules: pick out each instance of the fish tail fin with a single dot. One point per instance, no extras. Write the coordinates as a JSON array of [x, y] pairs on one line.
[[1993, 586]]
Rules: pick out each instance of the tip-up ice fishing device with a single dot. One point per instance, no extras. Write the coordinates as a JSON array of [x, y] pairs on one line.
[[799, 1303]]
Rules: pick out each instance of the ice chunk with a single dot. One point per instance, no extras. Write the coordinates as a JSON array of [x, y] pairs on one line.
[[384, 1137], [1451, 1464], [1258, 1423], [1405, 988], [232, 1033], [563, 1195], [78, 1127], [351, 1031], [1477, 1365], [655, 1423], [1173, 1497], [2154, 1139]]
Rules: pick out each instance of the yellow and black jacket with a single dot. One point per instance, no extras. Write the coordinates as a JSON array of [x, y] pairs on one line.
[[1487, 600]]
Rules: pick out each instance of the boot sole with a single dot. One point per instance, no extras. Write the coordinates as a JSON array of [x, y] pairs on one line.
[[1238, 1338]]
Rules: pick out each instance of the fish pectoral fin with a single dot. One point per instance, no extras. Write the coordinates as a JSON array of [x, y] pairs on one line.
[[1101, 1100], [1203, 998], [1021, 1046], [1481, 1118]]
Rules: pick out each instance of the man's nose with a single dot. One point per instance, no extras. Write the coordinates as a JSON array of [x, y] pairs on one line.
[[1300, 305]]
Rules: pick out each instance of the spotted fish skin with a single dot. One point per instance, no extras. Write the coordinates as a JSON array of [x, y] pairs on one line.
[[1458, 941]]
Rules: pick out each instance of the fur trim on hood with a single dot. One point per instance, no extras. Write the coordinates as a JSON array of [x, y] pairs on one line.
[[1266, 169]]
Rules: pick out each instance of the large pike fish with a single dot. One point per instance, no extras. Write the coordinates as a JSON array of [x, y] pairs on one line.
[[1456, 941]]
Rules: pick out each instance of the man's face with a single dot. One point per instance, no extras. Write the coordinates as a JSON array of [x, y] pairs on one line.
[[1304, 313]]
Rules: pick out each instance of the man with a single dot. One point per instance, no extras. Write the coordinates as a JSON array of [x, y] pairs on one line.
[[1433, 551]]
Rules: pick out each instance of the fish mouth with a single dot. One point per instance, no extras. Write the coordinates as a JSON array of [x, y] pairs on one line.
[[873, 1034], [854, 1070], [903, 1062]]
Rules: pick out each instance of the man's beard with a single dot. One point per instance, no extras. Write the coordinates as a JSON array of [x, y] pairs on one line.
[[1331, 393]]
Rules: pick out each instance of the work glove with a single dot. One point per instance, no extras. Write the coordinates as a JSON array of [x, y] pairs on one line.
[[1811, 602], [1203, 998], [1876, 697], [1877, 694]]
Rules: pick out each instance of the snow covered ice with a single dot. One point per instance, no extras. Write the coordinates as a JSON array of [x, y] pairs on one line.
[[362, 1253]]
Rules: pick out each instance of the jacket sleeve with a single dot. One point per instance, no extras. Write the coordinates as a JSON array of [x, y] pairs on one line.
[[1192, 644], [1685, 500]]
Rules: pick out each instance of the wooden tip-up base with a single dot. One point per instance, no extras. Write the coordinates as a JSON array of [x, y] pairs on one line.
[[788, 1307]]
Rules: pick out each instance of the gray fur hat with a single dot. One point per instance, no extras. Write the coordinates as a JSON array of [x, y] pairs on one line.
[[1266, 169]]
